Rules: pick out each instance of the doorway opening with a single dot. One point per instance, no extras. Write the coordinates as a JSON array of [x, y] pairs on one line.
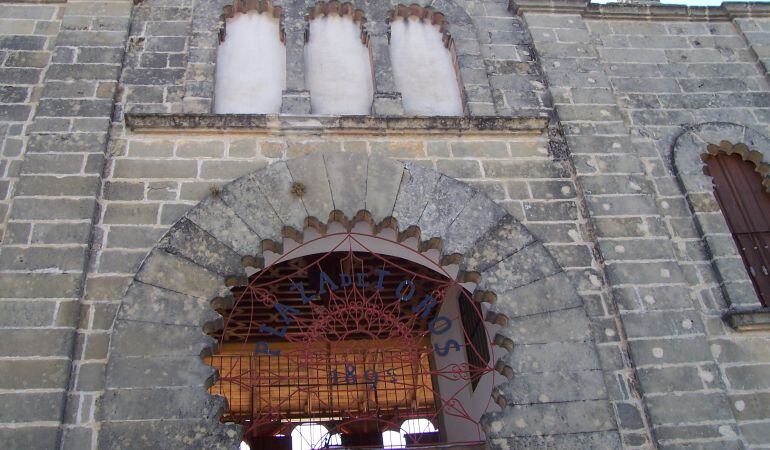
[[351, 340]]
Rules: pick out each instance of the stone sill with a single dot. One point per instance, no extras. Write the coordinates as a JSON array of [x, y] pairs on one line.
[[261, 123], [751, 319], [642, 11]]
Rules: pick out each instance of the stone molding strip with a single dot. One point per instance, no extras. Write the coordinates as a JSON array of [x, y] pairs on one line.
[[334, 124], [631, 11]]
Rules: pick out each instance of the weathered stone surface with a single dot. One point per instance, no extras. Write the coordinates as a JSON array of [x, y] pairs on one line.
[[275, 182], [147, 303], [552, 357], [690, 407], [220, 221], [30, 437], [33, 342], [479, 216], [33, 374], [530, 264], [383, 179], [548, 294], [417, 187], [310, 171], [669, 351], [149, 435], [187, 240], [509, 237], [176, 274], [142, 372], [567, 417], [248, 202], [132, 338], [448, 200], [573, 441], [556, 326], [556, 387], [153, 403], [30, 407], [347, 179]]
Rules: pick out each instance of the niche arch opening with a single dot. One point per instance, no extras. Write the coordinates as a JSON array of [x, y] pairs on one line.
[[424, 62], [251, 60], [338, 62]]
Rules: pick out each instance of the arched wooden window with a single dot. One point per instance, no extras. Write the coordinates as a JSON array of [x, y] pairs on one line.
[[746, 206]]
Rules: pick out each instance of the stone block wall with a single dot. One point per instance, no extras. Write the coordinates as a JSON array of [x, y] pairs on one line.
[[624, 90], [28, 37], [84, 197]]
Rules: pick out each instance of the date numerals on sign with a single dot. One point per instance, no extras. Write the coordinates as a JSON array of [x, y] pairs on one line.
[[351, 375]]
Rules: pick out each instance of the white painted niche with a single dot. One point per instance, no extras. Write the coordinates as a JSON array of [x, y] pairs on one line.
[[423, 69], [338, 67], [251, 66]]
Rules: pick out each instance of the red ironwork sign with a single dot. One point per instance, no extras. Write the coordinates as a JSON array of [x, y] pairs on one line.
[[360, 337]]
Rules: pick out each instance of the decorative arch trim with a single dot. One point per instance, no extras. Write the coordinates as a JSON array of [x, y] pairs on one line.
[[156, 387], [688, 151]]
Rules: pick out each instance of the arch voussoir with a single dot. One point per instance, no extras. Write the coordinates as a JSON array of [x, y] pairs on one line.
[[509, 237], [312, 180], [275, 184], [480, 215], [189, 241], [251, 205], [347, 179], [219, 220], [383, 179], [528, 265], [169, 434], [147, 303], [177, 274], [552, 293], [449, 199], [416, 190]]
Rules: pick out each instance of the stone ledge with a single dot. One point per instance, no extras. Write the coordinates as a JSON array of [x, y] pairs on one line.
[[749, 319], [642, 11], [333, 124]]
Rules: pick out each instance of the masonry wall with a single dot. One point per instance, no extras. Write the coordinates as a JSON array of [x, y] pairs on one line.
[[624, 90], [84, 197]]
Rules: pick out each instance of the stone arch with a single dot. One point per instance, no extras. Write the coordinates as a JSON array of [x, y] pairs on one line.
[[156, 382], [688, 150]]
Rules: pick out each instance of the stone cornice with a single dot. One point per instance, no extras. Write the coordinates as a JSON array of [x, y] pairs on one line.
[[642, 11], [261, 123]]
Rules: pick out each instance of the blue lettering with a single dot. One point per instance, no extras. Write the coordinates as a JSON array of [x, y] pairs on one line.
[[400, 291]]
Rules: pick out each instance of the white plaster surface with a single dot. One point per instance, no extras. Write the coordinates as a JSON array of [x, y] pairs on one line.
[[423, 69], [338, 68], [251, 66]]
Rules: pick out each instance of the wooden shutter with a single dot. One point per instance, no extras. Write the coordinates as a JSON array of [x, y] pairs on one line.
[[746, 206]]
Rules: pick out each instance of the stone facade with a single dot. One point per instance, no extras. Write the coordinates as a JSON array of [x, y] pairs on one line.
[[573, 186]]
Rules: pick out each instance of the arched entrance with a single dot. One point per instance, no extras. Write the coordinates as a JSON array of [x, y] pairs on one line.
[[157, 383], [356, 331]]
